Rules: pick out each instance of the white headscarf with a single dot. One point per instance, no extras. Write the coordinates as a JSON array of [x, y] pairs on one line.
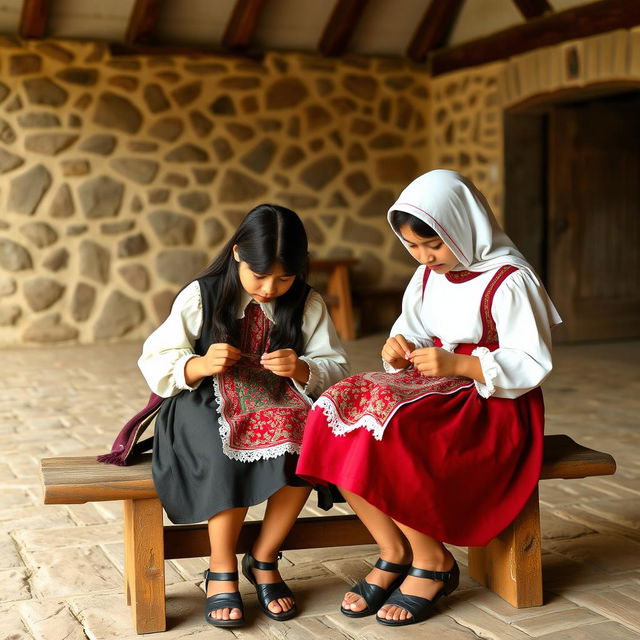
[[456, 210]]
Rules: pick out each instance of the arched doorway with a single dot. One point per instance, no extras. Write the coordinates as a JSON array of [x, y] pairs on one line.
[[572, 203]]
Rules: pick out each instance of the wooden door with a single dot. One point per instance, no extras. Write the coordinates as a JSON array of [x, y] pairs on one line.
[[594, 218]]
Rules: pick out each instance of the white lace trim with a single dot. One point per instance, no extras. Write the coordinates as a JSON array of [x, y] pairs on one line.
[[490, 371], [255, 454], [340, 428]]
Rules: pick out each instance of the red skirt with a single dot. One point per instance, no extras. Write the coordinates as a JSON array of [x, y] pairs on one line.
[[458, 468]]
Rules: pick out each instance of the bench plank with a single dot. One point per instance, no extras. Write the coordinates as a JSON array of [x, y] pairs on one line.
[[75, 480], [69, 480]]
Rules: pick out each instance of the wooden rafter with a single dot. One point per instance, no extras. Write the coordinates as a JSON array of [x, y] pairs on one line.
[[434, 28], [533, 8], [242, 24], [340, 26], [579, 22], [34, 18], [142, 21]]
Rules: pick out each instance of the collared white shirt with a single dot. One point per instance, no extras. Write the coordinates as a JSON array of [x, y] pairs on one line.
[[167, 350]]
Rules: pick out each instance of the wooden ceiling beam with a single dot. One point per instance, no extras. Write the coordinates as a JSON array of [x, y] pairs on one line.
[[242, 24], [34, 18], [434, 28], [340, 26], [533, 8], [579, 22], [142, 21]]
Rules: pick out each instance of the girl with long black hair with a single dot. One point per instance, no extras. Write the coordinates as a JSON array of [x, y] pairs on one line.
[[246, 347]]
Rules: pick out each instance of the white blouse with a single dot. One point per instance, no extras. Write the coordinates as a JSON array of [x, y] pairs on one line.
[[167, 350], [451, 312]]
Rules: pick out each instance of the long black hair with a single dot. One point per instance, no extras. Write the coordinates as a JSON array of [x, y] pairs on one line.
[[268, 234], [400, 218]]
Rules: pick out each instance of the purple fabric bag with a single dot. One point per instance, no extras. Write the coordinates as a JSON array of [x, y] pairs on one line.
[[129, 436]]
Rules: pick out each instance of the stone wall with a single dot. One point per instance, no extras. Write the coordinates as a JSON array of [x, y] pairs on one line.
[[122, 177], [467, 107]]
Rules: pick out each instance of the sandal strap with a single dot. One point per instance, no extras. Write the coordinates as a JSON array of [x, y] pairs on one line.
[[372, 594], [415, 605], [391, 567], [440, 576], [230, 576], [263, 566], [231, 600], [273, 591]]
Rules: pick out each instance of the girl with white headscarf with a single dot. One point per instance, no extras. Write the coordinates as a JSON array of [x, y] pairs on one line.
[[446, 444]]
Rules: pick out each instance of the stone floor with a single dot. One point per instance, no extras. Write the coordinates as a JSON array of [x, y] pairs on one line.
[[61, 566]]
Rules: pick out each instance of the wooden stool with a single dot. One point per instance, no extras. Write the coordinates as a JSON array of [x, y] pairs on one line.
[[338, 295]]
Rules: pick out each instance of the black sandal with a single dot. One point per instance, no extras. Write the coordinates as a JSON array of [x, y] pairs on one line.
[[268, 592], [374, 595], [421, 608], [230, 600]]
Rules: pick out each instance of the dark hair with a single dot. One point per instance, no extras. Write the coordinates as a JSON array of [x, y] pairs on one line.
[[400, 218], [268, 234]]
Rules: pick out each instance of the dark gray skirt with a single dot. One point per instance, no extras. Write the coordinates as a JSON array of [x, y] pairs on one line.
[[194, 479]]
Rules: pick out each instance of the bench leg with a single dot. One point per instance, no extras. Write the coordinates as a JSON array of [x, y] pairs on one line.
[[511, 564], [144, 564], [342, 313]]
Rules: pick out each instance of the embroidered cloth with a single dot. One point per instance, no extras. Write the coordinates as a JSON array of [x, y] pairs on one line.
[[262, 415], [371, 399]]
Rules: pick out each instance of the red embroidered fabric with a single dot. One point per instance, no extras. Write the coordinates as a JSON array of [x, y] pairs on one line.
[[262, 415], [370, 400]]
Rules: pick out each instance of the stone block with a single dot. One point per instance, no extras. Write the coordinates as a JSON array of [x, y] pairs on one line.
[[9, 556], [554, 622], [116, 112], [621, 604], [9, 161], [11, 624], [478, 621], [41, 293], [119, 315], [172, 228], [49, 144], [608, 630], [101, 197], [27, 190], [607, 553], [49, 329], [66, 571], [136, 169], [107, 617], [14, 584], [45, 91], [51, 620], [59, 538]]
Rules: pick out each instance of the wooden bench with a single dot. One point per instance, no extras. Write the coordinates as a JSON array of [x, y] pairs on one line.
[[510, 565], [338, 294]]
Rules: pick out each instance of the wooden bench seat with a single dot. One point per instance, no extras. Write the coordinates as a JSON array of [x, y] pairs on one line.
[[510, 565]]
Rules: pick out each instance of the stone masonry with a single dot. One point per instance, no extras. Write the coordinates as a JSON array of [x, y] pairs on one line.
[[120, 178]]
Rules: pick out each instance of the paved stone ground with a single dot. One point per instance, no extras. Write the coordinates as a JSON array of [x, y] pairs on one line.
[[61, 566]]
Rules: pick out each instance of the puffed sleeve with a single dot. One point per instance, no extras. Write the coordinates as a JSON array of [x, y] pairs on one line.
[[409, 324], [523, 359], [167, 350], [323, 352]]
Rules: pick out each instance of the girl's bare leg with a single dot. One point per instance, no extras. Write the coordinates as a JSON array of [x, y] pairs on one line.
[[428, 553], [224, 529], [394, 547], [283, 507]]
